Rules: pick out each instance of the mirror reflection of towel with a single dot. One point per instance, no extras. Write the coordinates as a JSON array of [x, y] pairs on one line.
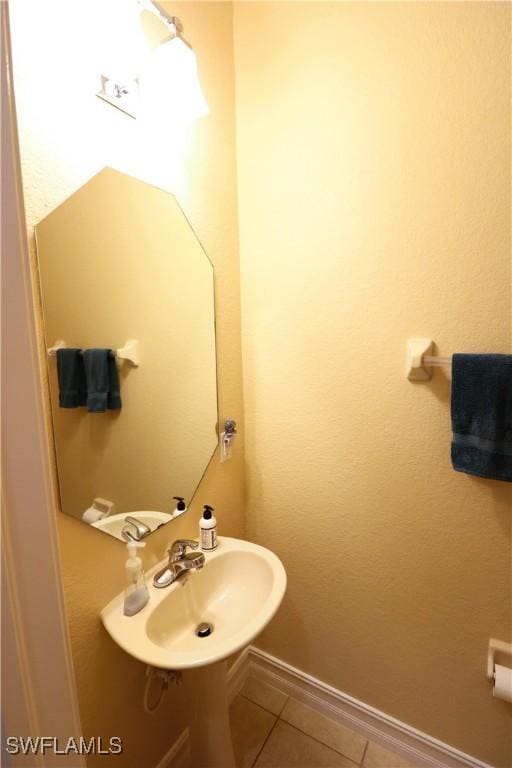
[[102, 380], [71, 376]]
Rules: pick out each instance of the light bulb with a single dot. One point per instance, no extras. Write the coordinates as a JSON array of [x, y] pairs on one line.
[[170, 88]]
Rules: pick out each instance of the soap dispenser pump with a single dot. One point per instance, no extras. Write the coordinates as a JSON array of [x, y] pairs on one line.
[[136, 594], [181, 506]]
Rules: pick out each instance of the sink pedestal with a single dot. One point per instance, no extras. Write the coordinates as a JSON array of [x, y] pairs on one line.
[[210, 732]]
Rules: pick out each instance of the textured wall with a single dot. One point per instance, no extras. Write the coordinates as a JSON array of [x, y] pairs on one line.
[[374, 203], [66, 136]]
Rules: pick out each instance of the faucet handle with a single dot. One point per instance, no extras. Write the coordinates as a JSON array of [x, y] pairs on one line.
[[134, 529], [178, 548]]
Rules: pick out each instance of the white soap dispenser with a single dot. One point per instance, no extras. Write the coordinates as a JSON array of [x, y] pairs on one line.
[[136, 594], [208, 529]]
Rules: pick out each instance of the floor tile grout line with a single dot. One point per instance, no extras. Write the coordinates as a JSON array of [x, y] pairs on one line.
[[279, 717], [269, 734], [244, 696], [329, 746], [333, 749], [365, 750], [319, 741]]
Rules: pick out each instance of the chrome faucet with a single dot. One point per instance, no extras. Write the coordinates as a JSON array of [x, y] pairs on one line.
[[180, 561], [135, 530]]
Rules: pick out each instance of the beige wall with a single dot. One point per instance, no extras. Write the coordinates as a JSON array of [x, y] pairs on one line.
[[66, 136], [374, 202]]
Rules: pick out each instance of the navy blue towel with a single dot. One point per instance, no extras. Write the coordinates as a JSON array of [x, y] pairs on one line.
[[71, 376], [102, 380], [482, 415], [114, 390]]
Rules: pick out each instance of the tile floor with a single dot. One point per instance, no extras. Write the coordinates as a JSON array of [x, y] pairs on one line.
[[271, 730]]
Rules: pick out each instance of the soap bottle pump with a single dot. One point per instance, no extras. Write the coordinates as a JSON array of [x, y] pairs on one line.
[[136, 594], [208, 529], [181, 506]]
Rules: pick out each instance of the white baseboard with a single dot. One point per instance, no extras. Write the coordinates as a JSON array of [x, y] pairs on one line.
[[238, 672], [416, 747]]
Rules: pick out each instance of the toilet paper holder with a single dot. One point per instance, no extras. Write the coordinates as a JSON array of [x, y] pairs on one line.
[[496, 646]]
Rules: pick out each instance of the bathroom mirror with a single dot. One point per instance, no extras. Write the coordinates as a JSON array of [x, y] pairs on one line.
[[119, 262]]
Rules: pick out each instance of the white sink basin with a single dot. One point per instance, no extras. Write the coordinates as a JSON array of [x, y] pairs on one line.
[[113, 524], [238, 591]]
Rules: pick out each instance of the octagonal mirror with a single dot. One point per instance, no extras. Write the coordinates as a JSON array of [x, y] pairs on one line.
[[118, 263]]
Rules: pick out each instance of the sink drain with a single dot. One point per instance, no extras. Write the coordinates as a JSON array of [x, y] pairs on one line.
[[204, 629]]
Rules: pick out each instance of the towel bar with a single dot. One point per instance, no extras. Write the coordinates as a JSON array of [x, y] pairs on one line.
[[130, 351]]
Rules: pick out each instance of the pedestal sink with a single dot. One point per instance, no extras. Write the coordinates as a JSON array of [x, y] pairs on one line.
[[237, 592]]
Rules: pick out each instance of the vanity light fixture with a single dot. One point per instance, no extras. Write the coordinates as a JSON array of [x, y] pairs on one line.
[[168, 87]]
